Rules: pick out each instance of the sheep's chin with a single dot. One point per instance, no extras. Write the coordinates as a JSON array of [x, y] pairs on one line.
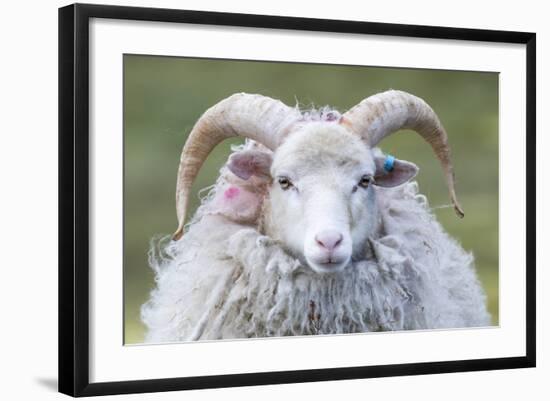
[[324, 268]]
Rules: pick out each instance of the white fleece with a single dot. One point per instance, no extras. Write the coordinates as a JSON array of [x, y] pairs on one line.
[[224, 279]]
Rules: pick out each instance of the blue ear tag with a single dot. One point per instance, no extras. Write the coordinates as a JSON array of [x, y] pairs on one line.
[[388, 163]]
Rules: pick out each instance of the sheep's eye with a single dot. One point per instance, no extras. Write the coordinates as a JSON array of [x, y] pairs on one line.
[[285, 183], [365, 181]]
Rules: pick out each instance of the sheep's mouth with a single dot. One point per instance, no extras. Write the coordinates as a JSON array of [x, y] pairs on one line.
[[328, 265]]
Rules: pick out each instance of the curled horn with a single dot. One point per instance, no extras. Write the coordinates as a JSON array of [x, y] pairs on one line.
[[381, 115], [257, 117]]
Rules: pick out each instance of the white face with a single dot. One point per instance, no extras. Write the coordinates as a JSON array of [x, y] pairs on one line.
[[322, 204]]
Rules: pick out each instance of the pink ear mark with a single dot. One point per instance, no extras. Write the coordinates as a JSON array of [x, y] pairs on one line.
[[237, 204], [231, 193]]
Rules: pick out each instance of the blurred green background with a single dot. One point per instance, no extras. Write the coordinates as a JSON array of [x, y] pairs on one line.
[[164, 96]]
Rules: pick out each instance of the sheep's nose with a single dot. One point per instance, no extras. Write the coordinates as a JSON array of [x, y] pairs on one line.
[[329, 239]]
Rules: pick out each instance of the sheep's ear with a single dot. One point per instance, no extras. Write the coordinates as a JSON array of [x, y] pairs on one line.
[[391, 172], [248, 163]]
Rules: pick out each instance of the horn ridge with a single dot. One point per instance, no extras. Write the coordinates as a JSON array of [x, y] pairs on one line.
[[383, 114], [257, 117]]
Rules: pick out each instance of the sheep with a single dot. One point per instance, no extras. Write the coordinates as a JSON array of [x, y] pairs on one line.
[[310, 229]]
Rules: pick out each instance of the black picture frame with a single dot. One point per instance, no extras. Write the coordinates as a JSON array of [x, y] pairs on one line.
[[74, 198]]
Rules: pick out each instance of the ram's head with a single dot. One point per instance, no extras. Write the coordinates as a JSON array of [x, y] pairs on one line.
[[321, 204]]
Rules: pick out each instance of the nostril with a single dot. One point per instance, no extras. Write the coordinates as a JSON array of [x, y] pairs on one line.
[[329, 239]]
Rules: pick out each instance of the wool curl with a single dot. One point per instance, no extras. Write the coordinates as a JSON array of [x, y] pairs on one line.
[[225, 279]]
